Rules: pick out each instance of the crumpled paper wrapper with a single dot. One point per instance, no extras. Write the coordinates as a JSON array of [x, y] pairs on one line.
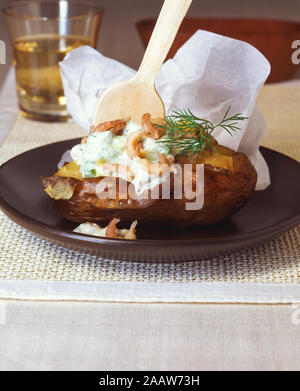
[[208, 74]]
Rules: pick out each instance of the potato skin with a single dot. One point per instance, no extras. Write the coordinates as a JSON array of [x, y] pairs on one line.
[[225, 192]]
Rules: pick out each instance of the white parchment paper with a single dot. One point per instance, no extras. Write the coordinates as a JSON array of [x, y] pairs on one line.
[[208, 74]]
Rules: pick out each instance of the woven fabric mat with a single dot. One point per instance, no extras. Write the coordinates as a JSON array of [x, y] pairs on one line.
[[23, 256]]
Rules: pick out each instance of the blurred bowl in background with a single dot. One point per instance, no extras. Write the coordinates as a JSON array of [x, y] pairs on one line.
[[273, 38]]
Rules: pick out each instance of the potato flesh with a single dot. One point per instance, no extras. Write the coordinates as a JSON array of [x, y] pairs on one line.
[[219, 160], [70, 170]]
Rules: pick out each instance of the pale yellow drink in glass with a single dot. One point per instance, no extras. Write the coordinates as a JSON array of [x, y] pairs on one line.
[[39, 83], [42, 33]]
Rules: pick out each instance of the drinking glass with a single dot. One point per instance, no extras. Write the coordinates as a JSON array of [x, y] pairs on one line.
[[42, 33]]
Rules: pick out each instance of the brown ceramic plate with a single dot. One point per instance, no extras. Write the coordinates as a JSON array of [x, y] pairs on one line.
[[268, 213]]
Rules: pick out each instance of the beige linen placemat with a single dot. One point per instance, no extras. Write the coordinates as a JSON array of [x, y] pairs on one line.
[[32, 268]]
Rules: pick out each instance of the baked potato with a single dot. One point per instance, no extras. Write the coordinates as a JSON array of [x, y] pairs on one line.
[[229, 181]]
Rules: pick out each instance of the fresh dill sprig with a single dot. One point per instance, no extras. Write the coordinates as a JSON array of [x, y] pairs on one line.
[[190, 135]]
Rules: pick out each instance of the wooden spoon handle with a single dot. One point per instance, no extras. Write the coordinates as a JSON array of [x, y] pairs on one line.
[[168, 23]]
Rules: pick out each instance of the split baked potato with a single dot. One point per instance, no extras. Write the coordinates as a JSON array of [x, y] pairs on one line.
[[229, 181]]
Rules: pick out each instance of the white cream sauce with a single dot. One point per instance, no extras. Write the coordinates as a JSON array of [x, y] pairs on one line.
[[95, 230], [91, 229], [105, 147]]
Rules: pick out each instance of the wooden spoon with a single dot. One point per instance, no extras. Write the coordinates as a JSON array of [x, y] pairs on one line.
[[138, 95]]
